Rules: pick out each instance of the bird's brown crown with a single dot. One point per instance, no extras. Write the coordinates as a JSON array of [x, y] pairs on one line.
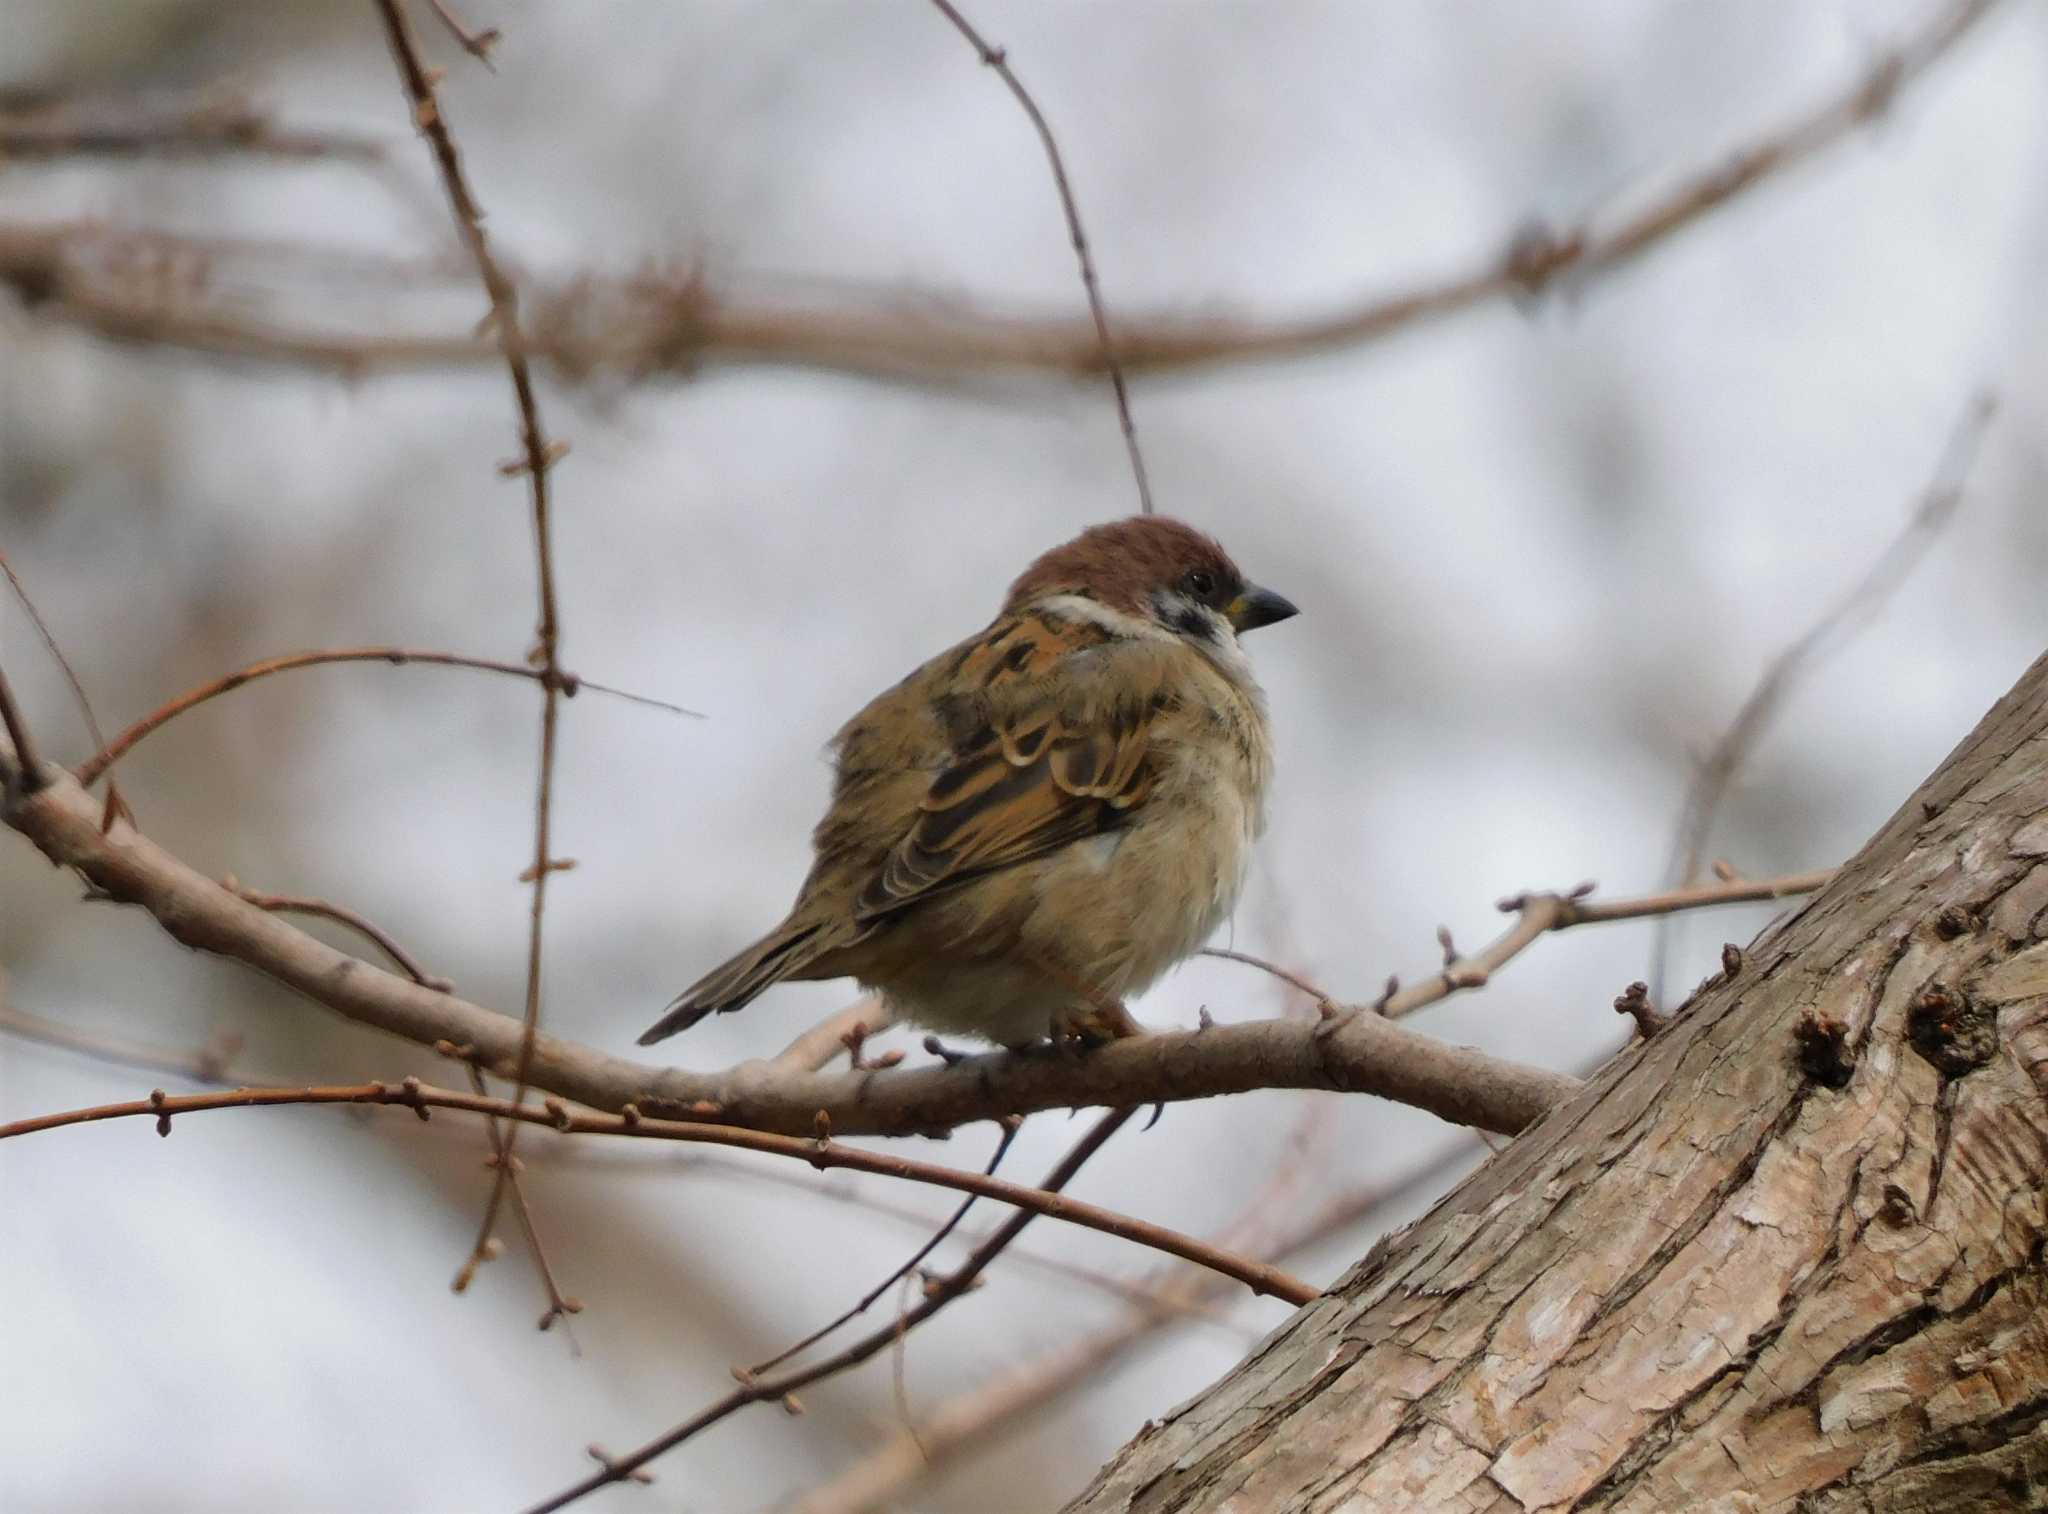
[[1123, 562]]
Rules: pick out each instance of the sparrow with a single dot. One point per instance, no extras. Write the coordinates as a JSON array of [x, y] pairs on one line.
[[1043, 819]]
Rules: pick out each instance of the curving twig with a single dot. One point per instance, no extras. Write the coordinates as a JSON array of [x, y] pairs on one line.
[[383, 940], [998, 59], [821, 1153], [1937, 506], [26, 775], [111, 752], [881, 1477], [938, 1294], [932, 1243]]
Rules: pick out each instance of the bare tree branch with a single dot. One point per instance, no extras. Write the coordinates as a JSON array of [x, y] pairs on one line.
[[1010, 1396], [821, 1153], [998, 59], [539, 456], [657, 324], [1937, 506], [940, 1293], [113, 751], [128, 128], [1359, 1053]]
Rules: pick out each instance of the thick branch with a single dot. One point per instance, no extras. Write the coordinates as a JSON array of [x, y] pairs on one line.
[[1357, 1053], [1787, 1254]]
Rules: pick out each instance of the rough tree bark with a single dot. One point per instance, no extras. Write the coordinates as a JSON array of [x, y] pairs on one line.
[[1788, 1255]]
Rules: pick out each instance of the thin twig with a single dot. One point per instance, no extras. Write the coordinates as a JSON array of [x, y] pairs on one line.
[[570, 683], [477, 43], [881, 1478], [867, 1300], [126, 130], [1291, 979], [208, 1065], [646, 326], [817, 1048], [539, 456], [117, 806], [938, 1294], [998, 59], [413, 1094], [1856, 608], [1536, 915], [29, 777], [1131, 1291], [560, 1305], [296, 904]]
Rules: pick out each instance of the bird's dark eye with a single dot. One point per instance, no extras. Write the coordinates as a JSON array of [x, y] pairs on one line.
[[1200, 582]]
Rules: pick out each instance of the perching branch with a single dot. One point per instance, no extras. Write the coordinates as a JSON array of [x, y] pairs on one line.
[[1359, 1053]]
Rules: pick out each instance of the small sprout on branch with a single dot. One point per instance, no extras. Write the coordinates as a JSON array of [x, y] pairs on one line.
[[411, 1087], [629, 1115], [559, 1113], [163, 1120], [603, 1457], [1634, 1001], [517, 467], [553, 865], [1536, 255], [792, 1406], [1386, 998], [1725, 870], [561, 1308], [944, 1052]]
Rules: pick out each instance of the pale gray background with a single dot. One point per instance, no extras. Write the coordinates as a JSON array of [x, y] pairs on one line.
[[1541, 557]]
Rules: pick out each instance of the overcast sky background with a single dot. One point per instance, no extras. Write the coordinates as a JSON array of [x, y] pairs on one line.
[[1541, 557]]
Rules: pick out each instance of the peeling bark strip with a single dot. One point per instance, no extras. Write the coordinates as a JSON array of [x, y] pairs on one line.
[[1712, 1280]]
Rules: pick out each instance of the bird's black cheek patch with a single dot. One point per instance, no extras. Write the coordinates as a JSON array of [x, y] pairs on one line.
[[1189, 620]]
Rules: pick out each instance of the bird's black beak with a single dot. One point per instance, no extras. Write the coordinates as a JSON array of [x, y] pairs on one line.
[[1257, 607]]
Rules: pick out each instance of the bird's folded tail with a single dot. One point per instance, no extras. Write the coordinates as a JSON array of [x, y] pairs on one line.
[[783, 952]]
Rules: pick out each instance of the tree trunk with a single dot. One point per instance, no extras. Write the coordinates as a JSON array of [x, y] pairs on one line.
[[1787, 1255]]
